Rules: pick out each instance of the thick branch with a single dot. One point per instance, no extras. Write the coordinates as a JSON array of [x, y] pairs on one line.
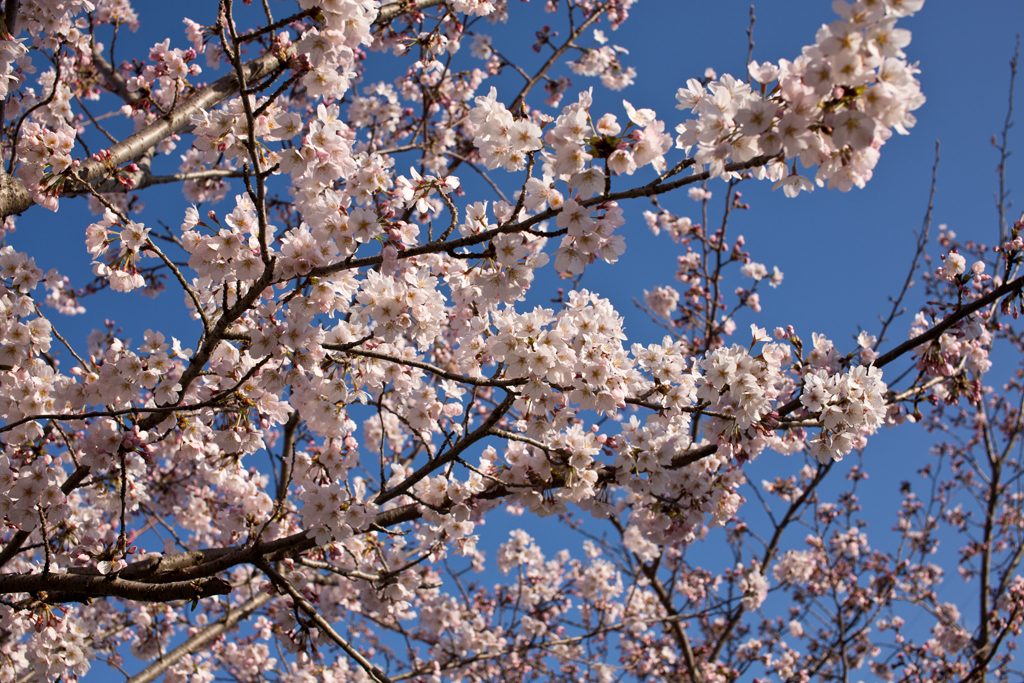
[[432, 369], [14, 196], [201, 640], [487, 235], [179, 569], [949, 321], [73, 587], [932, 333], [392, 10], [19, 538], [675, 626], [115, 81], [321, 623], [479, 433], [11, 16]]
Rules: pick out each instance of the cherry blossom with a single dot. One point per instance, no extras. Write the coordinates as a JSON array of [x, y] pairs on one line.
[[371, 379]]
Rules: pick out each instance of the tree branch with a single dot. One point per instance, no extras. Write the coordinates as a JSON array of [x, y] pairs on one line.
[[75, 587], [201, 640]]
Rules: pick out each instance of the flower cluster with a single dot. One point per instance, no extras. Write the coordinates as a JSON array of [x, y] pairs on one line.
[[166, 77], [12, 55], [742, 388], [849, 406], [959, 352], [832, 107], [603, 62], [132, 238], [502, 140], [330, 50], [588, 237], [45, 154]]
